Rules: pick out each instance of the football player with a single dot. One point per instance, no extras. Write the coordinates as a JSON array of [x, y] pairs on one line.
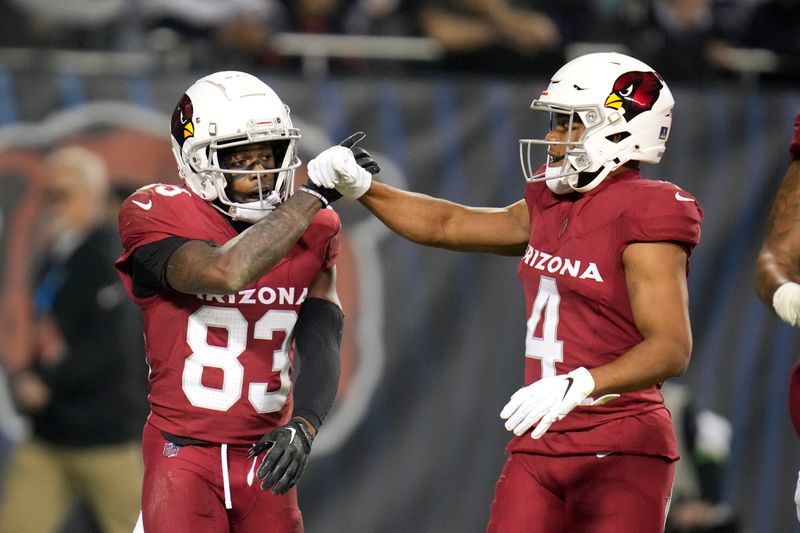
[[778, 265], [235, 275], [604, 259]]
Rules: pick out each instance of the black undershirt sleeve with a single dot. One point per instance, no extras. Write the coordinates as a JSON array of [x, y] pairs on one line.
[[318, 336], [149, 265]]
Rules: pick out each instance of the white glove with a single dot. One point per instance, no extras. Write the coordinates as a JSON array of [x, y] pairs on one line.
[[550, 399], [336, 168], [786, 302]]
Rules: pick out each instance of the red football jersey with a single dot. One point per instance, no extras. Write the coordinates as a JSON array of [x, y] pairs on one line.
[[220, 364], [578, 309]]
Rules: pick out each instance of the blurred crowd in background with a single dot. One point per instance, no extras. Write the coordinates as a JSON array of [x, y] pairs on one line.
[[756, 40]]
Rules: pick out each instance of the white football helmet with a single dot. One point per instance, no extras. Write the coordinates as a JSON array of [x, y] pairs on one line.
[[626, 108], [228, 109]]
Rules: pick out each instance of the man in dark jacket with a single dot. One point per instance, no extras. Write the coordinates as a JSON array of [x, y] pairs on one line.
[[84, 390]]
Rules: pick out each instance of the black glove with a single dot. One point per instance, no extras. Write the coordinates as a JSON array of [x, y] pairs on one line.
[[362, 157], [365, 161], [286, 457], [353, 139]]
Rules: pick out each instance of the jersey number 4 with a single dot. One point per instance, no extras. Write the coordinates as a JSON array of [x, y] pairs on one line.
[[547, 347], [226, 358]]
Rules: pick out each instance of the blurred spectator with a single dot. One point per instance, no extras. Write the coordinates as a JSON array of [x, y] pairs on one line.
[[207, 34], [499, 36], [85, 388], [772, 26], [378, 17], [94, 24], [316, 16], [351, 17], [674, 35], [11, 426], [233, 34], [348, 17], [491, 36], [704, 441]]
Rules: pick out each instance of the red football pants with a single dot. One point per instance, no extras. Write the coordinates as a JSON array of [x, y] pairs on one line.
[[582, 494], [185, 492]]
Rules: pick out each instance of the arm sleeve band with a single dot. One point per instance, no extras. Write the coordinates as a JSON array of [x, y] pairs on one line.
[[149, 264], [318, 336]]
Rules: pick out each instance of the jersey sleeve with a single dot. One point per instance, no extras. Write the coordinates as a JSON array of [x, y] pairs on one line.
[[327, 229], [663, 213], [331, 253], [794, 146], [154, 213]]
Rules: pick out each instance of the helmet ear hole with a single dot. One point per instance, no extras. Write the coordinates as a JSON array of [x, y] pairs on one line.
[[618, 137]]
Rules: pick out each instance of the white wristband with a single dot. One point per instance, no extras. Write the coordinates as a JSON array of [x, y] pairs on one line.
[[786, 302], [314, 193]]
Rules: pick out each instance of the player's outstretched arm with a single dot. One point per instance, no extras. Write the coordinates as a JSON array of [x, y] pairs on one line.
[[778, 265], [417, 217], [436, 222]]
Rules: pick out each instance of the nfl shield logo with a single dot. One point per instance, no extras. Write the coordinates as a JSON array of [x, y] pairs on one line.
[[170, 449]]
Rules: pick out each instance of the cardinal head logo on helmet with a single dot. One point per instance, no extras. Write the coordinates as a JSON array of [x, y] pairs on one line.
[[181, 126], [635, 92]]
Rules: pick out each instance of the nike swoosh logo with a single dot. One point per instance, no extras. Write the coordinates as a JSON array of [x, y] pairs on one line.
[[569, 386], [601, 455], [683, 198], [294, 432], [145, 206], [252, 473]]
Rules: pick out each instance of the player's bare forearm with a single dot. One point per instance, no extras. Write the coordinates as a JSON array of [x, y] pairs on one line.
[[779, 258], [773, 270], [416, 217], [323, 286], [652, 361], [443, 224], [197, 267]]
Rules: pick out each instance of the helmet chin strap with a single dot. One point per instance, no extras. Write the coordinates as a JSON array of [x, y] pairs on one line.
[[594, 181], [252, 212], [555, 182], [560, 184]]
